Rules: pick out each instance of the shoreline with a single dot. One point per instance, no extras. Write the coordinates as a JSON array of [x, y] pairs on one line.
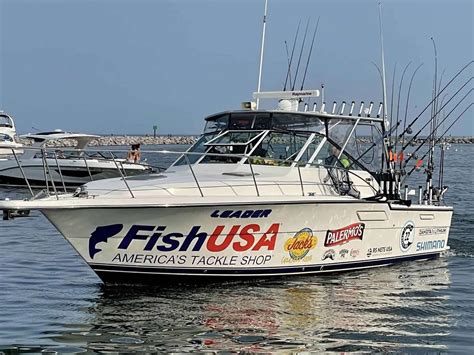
[[123, 140]]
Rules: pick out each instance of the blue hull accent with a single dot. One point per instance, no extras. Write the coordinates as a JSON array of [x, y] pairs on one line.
[[138, 274]]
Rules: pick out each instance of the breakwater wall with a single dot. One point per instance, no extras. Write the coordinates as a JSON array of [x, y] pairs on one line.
[[123, 140]]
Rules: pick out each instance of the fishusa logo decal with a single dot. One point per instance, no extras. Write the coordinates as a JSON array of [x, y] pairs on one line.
[[238, 238]]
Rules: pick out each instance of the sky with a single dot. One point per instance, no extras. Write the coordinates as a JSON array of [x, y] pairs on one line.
[[123, 66]]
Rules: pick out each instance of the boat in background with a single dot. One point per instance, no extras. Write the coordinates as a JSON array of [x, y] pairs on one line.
[[63, 167], [8, 137]]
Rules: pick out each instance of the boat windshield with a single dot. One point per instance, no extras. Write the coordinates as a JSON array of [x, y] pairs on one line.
[[6, 138], [250, 120], [6, 121], [287, 139], [363, 141]]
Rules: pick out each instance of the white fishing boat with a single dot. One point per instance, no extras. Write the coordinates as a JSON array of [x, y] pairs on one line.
[[63, 167], [8, 137], [264, 192]]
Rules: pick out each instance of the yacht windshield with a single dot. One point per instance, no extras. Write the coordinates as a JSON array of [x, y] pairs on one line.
[[6, 121], [5, 138]]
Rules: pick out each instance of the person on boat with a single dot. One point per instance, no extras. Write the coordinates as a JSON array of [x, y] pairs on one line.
[[60, 154], [340, 177], [134, 154], [334, 160]]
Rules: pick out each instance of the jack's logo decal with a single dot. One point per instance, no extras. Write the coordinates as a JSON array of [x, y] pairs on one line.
[[300, 244], [102, 234]]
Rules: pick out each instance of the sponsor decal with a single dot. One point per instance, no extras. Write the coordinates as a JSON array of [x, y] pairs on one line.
[[329, 254], [300, 244], [430, 245], [379, 251], [241, 214], [355, 253], [302, 93], [149, 238], [407, 236], [423, 232], [344, 235], [102, 234], [343, 253]]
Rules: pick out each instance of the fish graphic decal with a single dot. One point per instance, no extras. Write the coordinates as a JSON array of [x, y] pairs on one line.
[[102, 234]]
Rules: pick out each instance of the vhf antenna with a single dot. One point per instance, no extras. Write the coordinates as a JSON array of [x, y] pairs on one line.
[[261, 52]]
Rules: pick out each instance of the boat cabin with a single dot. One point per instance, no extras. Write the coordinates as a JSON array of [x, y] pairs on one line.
[[287, 138], [42, 138]]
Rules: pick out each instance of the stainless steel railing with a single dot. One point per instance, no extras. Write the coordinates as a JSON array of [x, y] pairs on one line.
[[52, 190]]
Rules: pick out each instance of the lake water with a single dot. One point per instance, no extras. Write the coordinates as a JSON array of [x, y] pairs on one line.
[[52, 302]]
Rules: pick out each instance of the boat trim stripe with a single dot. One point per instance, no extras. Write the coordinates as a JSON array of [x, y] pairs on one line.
[[301, 269]]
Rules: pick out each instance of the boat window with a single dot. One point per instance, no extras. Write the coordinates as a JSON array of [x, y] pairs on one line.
[[329, 156], [366, 143], [198, 147], [262, 121], [279, 148], [5, 138], [231, 142], [217, 124], [234, 138], [6, 121], [311, 148], [295, 121]]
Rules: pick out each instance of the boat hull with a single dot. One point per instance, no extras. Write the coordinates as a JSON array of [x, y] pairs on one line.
[[159, 243], [134, 275]]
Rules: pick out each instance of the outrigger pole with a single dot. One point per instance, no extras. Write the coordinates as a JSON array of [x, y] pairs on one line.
[[384, 86], [261, 52]]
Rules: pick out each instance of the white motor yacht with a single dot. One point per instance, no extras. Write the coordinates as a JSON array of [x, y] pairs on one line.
[[63, 167], [8, 137]]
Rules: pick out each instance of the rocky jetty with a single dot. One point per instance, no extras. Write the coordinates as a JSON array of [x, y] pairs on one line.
[[123, 140]]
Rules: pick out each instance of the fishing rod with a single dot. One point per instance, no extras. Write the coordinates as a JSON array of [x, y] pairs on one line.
[[408, 128], [375, 143], [439, 139], [391, 104], [431, 120], [439, 93], [429, 138], [406, 107], [398, 103], [301, 53], [309, 55], [288, 73], [433, 110], [288, 60], [384, 91]]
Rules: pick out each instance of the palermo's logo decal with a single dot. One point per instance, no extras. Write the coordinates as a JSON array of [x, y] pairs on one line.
[[102, 234], [344, 235]]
